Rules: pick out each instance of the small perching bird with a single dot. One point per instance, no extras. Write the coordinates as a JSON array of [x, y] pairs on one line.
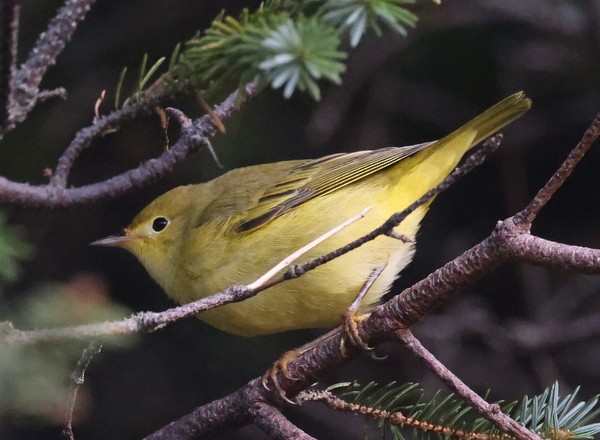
[[197, 240]]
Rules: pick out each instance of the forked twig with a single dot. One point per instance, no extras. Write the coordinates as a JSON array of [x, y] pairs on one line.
[[57, 193]]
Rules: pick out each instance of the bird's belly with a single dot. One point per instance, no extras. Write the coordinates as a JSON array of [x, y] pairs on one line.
[[318, 298]]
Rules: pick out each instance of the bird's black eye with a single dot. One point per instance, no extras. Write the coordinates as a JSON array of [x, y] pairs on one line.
[[159, 223]]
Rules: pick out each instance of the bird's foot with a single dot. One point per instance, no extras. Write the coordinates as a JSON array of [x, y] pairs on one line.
[[352, 318], [351, 335], [281, 367]]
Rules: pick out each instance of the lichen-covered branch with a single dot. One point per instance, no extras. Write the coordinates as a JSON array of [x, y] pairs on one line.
[[25, 91]]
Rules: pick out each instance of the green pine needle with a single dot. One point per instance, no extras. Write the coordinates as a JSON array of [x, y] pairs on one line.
[[300, 53], [356, 16]]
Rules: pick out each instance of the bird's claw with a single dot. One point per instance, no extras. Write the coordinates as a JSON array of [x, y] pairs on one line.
[[272, 375], [351, 334]]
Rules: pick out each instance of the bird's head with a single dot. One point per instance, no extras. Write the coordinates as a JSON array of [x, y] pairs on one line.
[[156, 233]]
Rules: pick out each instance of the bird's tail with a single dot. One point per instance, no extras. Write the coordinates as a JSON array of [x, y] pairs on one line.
[[493, 119]]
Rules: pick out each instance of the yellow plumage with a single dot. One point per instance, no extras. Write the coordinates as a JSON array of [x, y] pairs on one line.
[[197, 240]]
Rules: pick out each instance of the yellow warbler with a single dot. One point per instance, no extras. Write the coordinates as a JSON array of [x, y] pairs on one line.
[[197, 240]]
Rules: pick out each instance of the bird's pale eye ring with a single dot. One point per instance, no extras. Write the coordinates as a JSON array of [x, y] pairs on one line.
[[159, 223]]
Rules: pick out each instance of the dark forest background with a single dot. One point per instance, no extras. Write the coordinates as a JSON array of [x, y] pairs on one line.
[[504, 334]]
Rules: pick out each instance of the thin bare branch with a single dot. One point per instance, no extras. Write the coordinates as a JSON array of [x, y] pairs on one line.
[[78, 378], [139, 322], [85, 136], [490, 411], [11, 335], [527, 215], [150, 321]]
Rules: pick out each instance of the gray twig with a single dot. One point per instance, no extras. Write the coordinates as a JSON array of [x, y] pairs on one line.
[[78, 378], [25, 92]]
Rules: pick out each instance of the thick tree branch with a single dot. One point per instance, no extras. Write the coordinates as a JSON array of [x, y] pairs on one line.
[[274, 424], [218, 416], [535, 250]]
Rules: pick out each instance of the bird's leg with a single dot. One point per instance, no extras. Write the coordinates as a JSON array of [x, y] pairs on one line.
[[352, 318], [350, 327]]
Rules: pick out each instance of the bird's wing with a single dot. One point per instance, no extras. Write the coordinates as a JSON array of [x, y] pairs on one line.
[[319, 177]]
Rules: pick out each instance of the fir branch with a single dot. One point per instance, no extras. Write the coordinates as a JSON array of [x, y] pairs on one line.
[[293, 52], [403, 406], [289, 45]]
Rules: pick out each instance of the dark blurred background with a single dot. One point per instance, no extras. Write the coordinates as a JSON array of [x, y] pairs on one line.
[[514, 332]]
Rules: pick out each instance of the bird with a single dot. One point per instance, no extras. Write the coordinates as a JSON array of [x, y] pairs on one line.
[[197, 240]]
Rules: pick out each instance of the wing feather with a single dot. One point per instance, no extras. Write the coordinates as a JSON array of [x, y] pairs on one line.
[[319, 177]]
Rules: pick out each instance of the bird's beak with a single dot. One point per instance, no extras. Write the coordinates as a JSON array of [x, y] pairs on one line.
[[114, 240]]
